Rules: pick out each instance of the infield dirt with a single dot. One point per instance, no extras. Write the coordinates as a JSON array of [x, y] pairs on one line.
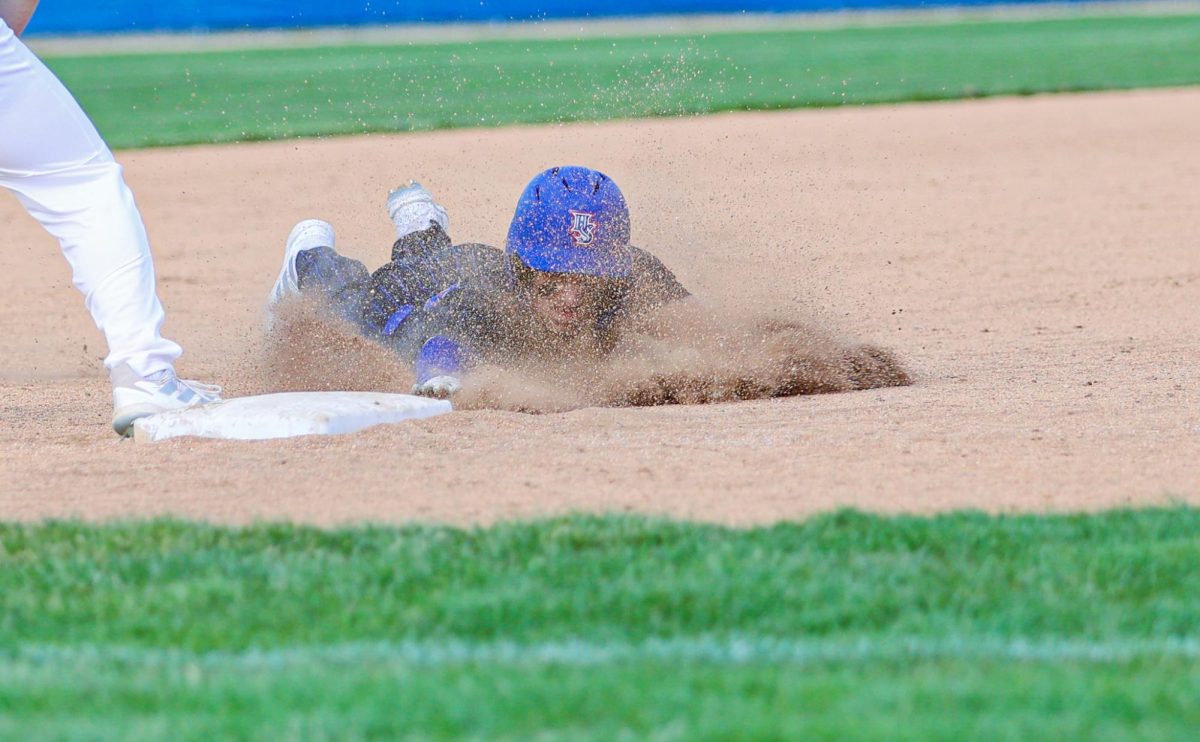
[[1035, 262]]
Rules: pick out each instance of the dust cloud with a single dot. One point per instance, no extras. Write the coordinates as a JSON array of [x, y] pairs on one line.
[[309, 350], [679, 354]]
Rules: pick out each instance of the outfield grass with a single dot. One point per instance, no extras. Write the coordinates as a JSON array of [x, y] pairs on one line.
[[158, 99], [843, 627]]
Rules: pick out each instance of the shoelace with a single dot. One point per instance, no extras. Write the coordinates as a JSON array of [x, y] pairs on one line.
[[199, 387]]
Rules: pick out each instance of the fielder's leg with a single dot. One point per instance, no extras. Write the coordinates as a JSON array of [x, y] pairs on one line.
[[53, 159]]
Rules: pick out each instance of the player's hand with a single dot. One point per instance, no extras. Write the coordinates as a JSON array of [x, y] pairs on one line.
[[439, 387]]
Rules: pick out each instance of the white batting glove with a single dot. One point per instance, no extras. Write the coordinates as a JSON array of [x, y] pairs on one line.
[[439, 387]]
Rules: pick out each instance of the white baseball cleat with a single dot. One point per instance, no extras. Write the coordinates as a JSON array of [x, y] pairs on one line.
[[136, 396], [306, 235], [412, 209]]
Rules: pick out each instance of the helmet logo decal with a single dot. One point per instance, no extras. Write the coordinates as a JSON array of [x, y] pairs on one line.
[[583, 228]]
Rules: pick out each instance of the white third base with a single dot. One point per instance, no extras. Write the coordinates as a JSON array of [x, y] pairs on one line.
[[286, 415]]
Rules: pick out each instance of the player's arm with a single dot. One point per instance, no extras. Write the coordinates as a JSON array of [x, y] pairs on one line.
[[443, 339], [16, 13], [439, 367]]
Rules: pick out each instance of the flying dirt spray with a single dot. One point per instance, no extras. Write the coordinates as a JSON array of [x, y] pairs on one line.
[[680, 354]]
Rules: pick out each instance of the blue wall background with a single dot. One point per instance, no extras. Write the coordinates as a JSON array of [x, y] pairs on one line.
[[98, 16]]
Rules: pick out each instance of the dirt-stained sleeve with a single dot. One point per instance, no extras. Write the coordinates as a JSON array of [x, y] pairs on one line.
[[463, 315]]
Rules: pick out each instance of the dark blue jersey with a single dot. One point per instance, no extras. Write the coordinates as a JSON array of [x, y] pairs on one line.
[[423, 266], [446, 307]]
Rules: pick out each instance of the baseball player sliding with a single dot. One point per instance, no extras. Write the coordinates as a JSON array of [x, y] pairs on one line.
[[566, 283], [63, 173]]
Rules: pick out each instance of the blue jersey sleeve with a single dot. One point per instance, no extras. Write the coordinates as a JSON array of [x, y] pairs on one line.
[[440, 356]]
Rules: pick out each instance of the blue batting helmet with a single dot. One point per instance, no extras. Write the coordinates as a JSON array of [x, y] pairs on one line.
[[572, 220]]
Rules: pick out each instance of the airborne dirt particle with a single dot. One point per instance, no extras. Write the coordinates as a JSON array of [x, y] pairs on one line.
[[681, 354], [307, 350]]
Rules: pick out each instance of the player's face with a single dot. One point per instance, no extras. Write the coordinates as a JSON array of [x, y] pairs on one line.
[[566, 304]]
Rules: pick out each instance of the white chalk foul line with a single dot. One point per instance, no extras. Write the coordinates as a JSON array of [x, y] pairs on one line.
[[736, 650]]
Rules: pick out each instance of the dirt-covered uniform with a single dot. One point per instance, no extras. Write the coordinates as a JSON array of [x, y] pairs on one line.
[[446, 307], [461, 304]]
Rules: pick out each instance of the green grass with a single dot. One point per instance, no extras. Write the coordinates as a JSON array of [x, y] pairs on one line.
[[962, 625], [928, 700], [142, 100]]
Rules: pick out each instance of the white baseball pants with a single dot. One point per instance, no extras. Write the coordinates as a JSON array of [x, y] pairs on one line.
[[53, 159]]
